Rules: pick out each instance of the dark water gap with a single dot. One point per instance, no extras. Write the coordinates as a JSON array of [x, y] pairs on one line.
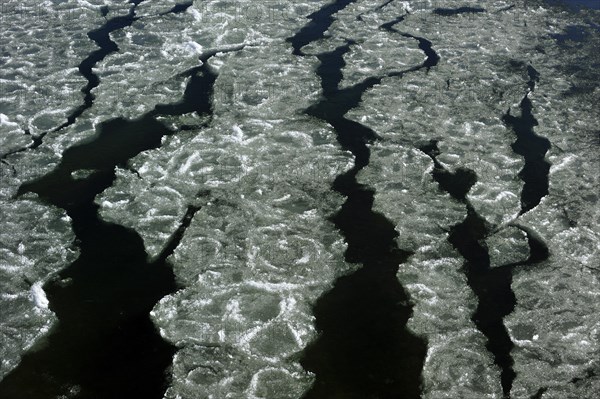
[[531, 147], [364, 349], [491, 286], [105, 345], [446, 12], [101, 37], [319, 22], [179, 8], [425, 45]]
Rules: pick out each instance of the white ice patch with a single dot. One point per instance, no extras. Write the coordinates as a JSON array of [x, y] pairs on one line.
[[39, 295], [35, 243], [193, 47], [507, 246], [4, 121], [260, 251]]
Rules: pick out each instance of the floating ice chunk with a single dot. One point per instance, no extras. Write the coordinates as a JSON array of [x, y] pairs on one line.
[[274, 383], [193, 47], [32, 230], [39, 296], [82, 173], [509, 245]]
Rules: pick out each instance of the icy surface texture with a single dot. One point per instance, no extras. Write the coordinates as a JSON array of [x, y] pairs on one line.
[[256, 131], [152, 52], [508, 246], [460, 102], [42, 45], [556, 321], [260, 250], [35, 242], [42, 84], [250, 281], [256, 256], [457, 363]]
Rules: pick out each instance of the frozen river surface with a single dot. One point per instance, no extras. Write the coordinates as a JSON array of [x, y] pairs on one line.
[[342, 199]]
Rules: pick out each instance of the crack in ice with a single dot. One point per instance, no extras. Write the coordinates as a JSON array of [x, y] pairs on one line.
[[446, 12], [532, 148], [364, 348], [492, 286], [178, 8], [319, 23], [105, 343], [101, 37]]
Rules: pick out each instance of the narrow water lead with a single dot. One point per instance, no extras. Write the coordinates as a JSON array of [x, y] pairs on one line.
[[491, 286], [532, 148], [179, 8], [320, 21], [105, 345], [364, 348], [101, 37], [425, 45]]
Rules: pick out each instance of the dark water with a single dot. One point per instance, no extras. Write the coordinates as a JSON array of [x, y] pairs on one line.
[[364, 349], [573, 34], [105, 345], [491, 286], [319, 23], [101, 37], [455, 11], [179, 8], [532, 148]]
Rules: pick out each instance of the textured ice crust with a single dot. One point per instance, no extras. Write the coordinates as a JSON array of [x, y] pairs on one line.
[[460, 102], [250, 281], [457, 363], [40, 82], [260, 250], [256, 256], [557, 320], [35, 242]]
